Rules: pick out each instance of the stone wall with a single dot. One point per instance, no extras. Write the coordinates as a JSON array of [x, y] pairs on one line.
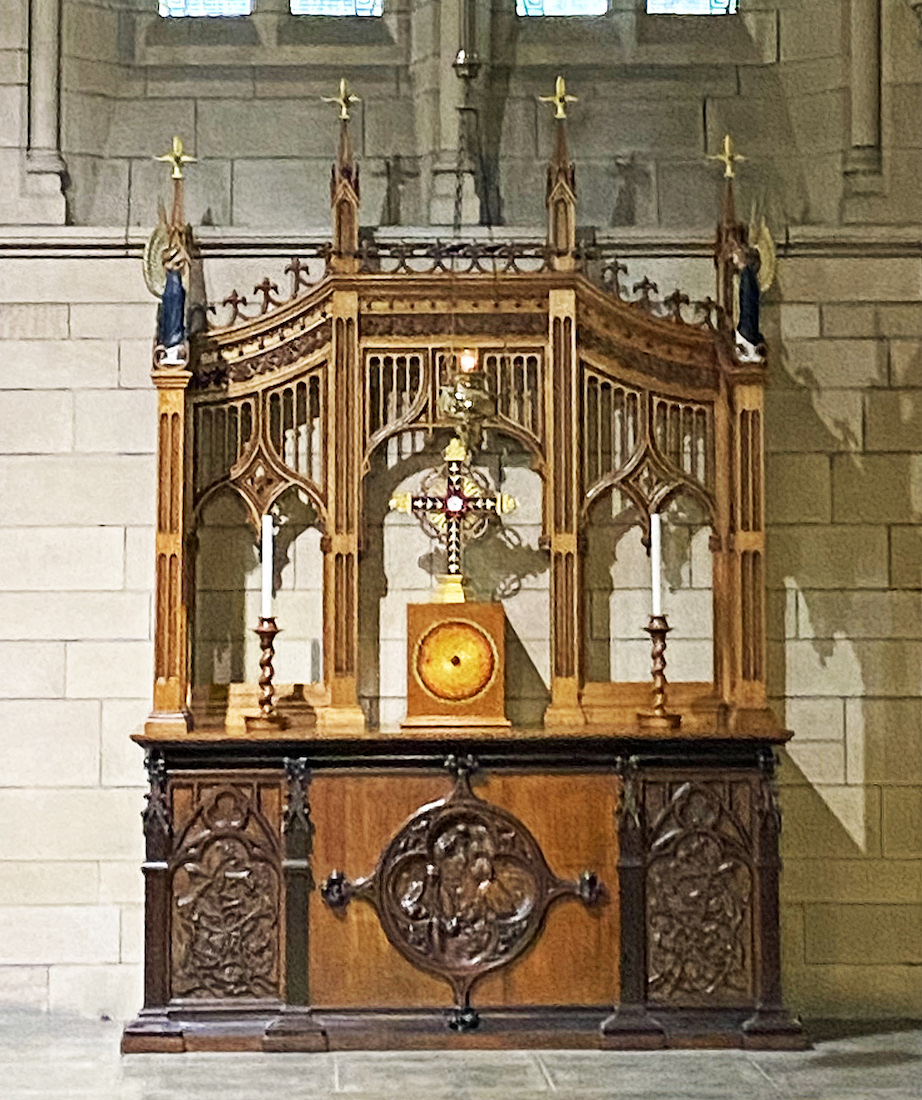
[[843, 428], [654, 92]]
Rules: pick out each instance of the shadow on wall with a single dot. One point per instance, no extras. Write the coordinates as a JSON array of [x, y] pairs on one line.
[[654, 96], [400, 565], [845, 668]]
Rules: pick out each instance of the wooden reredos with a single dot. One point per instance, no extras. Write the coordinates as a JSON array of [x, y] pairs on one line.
[[606, 389]]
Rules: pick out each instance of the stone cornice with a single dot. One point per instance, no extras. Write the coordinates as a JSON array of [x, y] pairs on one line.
[[55, 242]]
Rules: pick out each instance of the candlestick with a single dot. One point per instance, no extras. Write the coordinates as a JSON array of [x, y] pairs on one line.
[[268, 717], [266, 558], [656, 563], [658, 718]]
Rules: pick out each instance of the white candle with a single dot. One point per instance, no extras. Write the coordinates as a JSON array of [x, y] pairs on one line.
[[265, 549], [656, 563]]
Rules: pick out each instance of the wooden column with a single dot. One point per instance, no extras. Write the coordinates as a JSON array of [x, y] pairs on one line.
[[630, 1026], [170, 712], [341, 542], [722, 549], [565, 493], [153, 1030], [771, 1025], [746, 603], [295, 1029]]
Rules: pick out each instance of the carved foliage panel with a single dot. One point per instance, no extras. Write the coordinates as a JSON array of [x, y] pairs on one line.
[[226, 875], [699, 890]]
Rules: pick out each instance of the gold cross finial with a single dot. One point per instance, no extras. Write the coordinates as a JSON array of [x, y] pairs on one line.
[[727, 157], [176, 157], [343, 100], [560, 99]]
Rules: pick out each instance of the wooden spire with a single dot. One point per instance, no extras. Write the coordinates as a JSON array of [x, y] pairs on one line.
[[344, 188], [561, 185]]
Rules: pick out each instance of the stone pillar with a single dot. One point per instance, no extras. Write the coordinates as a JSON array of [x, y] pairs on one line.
[[863, 162], [44, 155], [30, 160], [463, 25]]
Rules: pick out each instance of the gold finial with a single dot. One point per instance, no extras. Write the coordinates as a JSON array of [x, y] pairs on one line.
[[560, 99], [727, 157], [176, 157], [455, 451], [343, 100]]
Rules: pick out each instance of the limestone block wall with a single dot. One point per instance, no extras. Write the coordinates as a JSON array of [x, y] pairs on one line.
[[655, 93], [77, 419], [829, 123], [245, 96], [76, 553], [844, 428]]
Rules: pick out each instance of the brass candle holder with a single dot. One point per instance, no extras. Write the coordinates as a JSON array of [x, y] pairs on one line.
[[268, 717], [659, 719]]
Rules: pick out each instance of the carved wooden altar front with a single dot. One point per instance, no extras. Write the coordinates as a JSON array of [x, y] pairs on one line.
[[606, 878]]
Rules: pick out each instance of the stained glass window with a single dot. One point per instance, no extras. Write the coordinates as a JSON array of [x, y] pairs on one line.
[[178, 8], [561, 7], [691, 7], [337, 7]]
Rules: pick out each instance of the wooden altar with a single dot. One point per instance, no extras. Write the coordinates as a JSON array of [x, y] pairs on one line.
[[608, 878]]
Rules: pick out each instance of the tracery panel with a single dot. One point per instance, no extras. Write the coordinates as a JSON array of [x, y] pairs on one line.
[[222, 434], [396, 392], [295, 427], [612, 427], [516, 378], [683, 434]]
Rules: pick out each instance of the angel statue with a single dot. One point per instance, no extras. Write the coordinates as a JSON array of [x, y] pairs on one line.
[[755, 261], [167, 264]]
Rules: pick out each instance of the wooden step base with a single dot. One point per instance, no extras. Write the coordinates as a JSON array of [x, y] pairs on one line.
[[289, 1030]]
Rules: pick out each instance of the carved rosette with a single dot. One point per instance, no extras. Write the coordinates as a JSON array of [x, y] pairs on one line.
[[462, 889], [699, 900], [226, 890]]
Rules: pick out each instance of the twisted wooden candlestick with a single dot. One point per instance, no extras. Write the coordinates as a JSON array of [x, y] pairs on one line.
[[659, 718], [268, 717]]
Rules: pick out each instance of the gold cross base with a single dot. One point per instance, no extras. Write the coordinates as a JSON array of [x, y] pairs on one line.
[[450, 589]]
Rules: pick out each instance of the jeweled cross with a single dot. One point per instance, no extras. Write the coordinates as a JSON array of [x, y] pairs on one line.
[[461, 503]]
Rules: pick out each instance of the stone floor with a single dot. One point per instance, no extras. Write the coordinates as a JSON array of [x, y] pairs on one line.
[[49, 1057]]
